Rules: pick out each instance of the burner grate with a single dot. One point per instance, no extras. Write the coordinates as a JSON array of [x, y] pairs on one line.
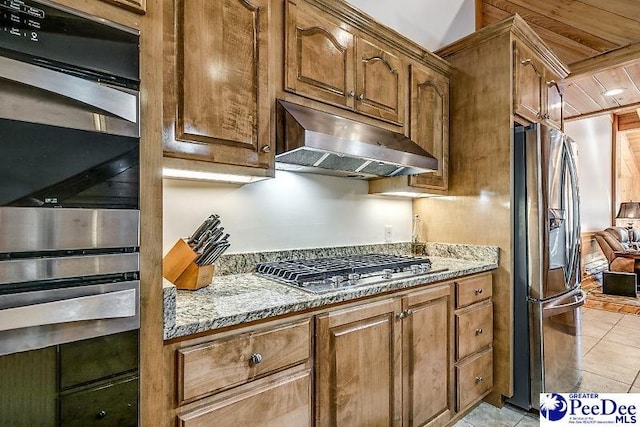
[[301, 272]]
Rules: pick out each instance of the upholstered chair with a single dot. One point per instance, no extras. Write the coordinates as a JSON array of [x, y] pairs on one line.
[[616, 239]]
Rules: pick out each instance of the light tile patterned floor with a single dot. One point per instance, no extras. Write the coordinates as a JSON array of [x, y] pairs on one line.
[[611, 363]]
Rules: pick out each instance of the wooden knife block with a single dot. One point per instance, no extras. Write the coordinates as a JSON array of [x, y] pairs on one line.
[[179, 268]]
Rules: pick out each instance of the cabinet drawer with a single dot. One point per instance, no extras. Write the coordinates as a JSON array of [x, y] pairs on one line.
[[114, 404], [96, 358], [285, 403], [207, 368], [474, 329], [473, 289], [475, 378]]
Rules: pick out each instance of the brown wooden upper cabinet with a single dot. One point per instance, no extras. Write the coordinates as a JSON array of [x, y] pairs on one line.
[[217, 93], [327, 63], [430, 123], [538, 96]]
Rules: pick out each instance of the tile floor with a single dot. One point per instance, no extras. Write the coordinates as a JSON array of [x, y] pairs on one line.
[[611, 363]]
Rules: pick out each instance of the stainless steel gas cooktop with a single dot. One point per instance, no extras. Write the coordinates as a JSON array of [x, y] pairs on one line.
[[329, 274]]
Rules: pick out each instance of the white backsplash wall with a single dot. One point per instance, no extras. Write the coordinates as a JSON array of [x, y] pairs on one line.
[[292, 211]]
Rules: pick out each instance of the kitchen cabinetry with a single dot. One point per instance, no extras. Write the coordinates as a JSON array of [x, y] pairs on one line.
[[483, 110], [256, 377], [430, 124], [537, 95], [474, 339], [327, 63], [77, 384], [387, 361], [217, 83], [359, 366]]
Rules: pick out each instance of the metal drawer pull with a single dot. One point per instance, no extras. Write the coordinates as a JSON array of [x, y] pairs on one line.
[[111, 100], [256, 358], [479, 331], [101, 414], [93, 307], [479, 379], [478, 291]]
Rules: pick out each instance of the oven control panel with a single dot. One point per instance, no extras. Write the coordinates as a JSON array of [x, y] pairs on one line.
[[20, 20]]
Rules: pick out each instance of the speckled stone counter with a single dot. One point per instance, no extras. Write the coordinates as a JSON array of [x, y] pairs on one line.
[[234, 299]]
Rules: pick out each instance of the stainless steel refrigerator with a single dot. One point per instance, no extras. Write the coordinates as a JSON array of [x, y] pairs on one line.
[[547, 294]]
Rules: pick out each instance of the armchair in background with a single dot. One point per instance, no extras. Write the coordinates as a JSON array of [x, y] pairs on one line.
[[621, 279]]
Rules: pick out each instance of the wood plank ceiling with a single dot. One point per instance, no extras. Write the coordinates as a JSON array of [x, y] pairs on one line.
[[598, 39]]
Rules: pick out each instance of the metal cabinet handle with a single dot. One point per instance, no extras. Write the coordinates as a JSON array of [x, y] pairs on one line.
[[479, 379], [351, 94], [546, 116], [100, 415], [478, 291], [114, 101], [479, 331], [109, 305], [404, 313], [266, 148], [256, 358], [361, 97]]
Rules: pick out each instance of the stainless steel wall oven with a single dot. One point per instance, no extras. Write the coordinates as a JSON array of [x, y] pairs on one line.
[[69, 181]]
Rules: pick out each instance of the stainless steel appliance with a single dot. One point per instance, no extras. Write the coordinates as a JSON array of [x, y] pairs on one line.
[[310, 140], [329, 274], [69, 188], [547, 346]]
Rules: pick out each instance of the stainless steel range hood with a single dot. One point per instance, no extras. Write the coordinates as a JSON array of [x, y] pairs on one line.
[[309, 140]]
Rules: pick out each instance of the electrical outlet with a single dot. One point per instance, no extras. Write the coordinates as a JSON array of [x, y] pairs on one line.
[[387, 233]]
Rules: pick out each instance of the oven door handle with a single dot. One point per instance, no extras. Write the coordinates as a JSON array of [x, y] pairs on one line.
[[92, 307], [111, 100]]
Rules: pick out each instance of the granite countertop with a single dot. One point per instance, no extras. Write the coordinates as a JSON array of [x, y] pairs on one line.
[[233, 299]]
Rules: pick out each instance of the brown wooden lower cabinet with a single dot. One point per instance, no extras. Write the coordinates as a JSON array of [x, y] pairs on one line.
[[474, 340], [389, 361]]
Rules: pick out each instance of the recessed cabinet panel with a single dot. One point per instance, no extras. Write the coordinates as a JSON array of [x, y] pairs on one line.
[[528, 84], [380, 84], [218, 93], [319, 56], [555, 101], [427, 332], [358, 358], [430, 124]]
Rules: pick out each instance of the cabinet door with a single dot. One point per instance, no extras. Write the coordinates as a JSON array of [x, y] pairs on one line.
[[359, 366], [528, 84], [380, 82], [319, 56], [220, 84], [28, 388], [554, 101], [428, 356], [283, 403], [430, 124]]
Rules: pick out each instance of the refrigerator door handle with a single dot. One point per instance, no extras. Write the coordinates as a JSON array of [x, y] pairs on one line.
[[552, 308]]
